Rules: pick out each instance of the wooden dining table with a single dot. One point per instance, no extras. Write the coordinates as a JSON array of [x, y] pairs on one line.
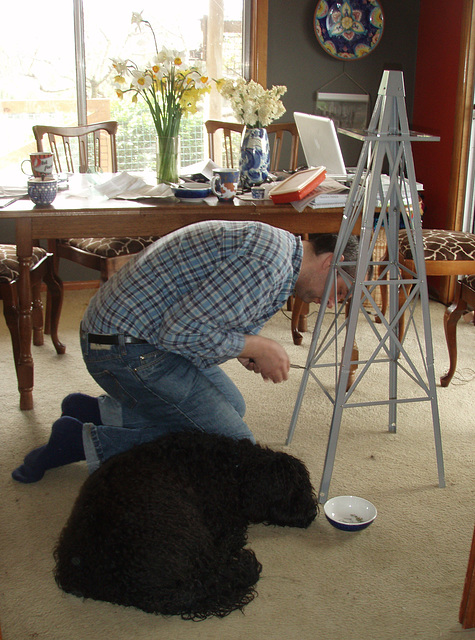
[[72, 216]]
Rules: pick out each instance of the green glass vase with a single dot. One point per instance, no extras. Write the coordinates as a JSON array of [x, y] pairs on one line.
[[168, 159]]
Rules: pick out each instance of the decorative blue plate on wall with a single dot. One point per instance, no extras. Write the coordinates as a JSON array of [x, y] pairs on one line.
[[348, 30]]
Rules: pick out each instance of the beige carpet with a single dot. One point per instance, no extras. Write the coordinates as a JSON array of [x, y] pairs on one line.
[[400, 578]]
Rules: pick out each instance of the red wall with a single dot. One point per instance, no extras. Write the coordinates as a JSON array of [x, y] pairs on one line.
[[438, 52]]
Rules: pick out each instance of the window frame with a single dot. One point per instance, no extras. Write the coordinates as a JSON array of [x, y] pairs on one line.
[[257, 10], [258, 41]]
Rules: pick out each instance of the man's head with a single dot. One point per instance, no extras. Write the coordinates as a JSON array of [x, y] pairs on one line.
[[318, 253]]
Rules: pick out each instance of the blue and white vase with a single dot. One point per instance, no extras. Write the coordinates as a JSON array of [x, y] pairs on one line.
[[255, 157]]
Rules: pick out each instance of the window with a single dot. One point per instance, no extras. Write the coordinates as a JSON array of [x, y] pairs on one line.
[[49, 76]]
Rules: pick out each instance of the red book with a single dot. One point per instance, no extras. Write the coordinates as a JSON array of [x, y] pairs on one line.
[[298, 185]]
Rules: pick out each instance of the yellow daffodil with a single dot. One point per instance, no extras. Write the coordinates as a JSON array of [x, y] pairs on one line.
[[169, 88]]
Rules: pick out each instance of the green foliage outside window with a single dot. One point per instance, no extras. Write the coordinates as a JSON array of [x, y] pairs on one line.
[[136, 137]]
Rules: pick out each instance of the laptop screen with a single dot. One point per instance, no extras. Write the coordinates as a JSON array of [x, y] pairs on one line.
[[320, 143]]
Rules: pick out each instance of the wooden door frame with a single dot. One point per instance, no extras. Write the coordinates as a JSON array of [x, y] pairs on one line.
[[463, 119], [461, 143], [259, 26]]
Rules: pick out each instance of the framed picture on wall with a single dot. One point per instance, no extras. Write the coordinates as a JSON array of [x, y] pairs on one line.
[[347, 110]]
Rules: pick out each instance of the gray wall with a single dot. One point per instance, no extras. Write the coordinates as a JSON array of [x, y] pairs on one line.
[[296, 59]]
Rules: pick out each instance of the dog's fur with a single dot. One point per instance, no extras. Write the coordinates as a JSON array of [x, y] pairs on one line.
[[163, 527]]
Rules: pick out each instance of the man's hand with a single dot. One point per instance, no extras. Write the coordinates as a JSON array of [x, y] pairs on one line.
[[249, 364], [266, 357]]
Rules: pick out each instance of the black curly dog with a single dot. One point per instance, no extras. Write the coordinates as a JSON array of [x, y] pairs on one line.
[[162, 527]]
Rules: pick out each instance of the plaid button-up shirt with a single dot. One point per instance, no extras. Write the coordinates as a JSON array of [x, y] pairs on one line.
[[199, 290]]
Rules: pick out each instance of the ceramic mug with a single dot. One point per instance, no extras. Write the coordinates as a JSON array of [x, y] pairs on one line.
[[41, 163], [258, 193], [224, 183], [42, 190]]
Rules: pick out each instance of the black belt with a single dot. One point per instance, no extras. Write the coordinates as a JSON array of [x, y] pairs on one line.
[[97, 338]]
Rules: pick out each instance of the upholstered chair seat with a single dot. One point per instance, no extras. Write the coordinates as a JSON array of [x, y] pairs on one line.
[[441, 246], [111, 247], [446, 253], [9, 265]]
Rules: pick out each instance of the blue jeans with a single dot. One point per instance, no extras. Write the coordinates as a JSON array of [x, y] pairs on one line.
[[152, 392]]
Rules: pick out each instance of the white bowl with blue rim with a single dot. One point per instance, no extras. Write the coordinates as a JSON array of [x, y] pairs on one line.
[[350, 513], [192, 191]]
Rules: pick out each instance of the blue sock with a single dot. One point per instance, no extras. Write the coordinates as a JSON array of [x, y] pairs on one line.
[[63, 447], [82, 407]]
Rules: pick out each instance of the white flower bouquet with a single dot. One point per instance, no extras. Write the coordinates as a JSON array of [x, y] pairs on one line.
[[167, 85], [253, 105], [170, 89]]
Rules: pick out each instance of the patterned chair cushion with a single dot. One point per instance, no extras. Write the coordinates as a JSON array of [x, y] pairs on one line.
[[111, 247], [469, 281], [9, 266], [441, 245]]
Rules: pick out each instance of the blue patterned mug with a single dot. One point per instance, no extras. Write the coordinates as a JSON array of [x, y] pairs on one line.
[[224, 183], [42, 191]]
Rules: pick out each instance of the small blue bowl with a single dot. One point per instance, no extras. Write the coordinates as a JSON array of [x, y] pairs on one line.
[[349, 513], [192, 191]]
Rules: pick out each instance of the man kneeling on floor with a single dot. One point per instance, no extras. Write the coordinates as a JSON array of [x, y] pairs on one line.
[[154, 335]]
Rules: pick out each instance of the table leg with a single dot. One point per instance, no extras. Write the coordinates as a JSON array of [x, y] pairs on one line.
[[25, 361]]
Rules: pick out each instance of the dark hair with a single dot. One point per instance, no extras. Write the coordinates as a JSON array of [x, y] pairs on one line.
[[326, 242]]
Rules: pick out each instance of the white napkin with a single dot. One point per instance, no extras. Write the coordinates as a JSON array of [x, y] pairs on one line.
[[11, 192], [129, 187], [204, 167]]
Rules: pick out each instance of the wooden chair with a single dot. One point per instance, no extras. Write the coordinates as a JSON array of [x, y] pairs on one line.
[[231, 143], [73, 149], [42, 269], [446, 253], [277, 132], [73, 152]]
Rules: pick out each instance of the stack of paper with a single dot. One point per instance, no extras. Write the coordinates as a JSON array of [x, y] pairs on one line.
[[329, 194]]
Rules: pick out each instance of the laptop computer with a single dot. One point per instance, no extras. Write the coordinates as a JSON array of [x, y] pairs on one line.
[[320, 144]]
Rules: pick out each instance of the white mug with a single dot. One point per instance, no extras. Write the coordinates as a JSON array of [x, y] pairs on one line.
[[41, 163]]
